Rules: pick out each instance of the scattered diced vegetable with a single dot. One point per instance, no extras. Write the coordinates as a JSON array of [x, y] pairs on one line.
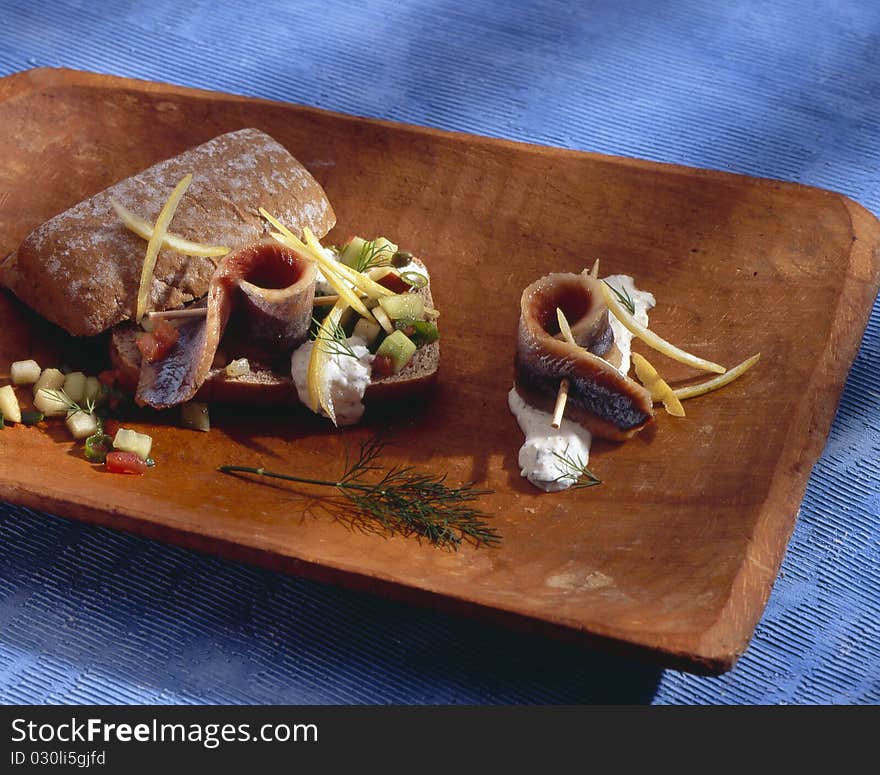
[[390, 279], [24, 372], [51, 403], [9, 404], [75, 386], [194, 415], [404, 305], [92, 390], [97, 446], [351, 250], [82, 424], [50, 379], [399, 347], [383, 320], [125, 463], [421, 332], [31, 417], [127, 440], [238, 367], [367, 331]]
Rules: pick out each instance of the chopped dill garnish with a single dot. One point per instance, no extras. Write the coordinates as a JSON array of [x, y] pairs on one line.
[[334, 341], [575, 468], [59, 394], [372, 255], [401, 500], [623, 297]]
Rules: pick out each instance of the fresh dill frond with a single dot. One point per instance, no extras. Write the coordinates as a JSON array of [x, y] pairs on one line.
[[401, 500], [575, 468], [623, 297], [60, 395], [333, 341], [371, 255]]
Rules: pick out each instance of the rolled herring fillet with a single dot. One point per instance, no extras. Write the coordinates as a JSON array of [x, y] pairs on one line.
[[600, 398], [278, 315]]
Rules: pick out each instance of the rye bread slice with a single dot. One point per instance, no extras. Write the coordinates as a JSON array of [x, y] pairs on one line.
[[264, 386], [81, 269]]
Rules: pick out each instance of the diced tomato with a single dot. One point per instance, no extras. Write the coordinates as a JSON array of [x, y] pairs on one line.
[[107, 378], [125, 463], [111, 426], [158, 343], [383, 366], [394, 283]]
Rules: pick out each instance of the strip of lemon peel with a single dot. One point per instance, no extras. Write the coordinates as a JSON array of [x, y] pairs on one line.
[[144, 229], [652, 340], [155, 242], [319, 395], [657, 386], [692, 391]]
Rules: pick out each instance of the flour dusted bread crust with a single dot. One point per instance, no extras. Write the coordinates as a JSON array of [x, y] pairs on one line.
[[81, 269]]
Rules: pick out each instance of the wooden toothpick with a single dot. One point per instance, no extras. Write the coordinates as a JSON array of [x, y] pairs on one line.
[[562, 394]]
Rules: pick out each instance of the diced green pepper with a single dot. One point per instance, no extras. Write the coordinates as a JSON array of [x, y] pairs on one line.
[[421, 332], [97, 446]]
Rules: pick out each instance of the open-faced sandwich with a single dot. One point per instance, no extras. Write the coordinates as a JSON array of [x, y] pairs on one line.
[[208, 272], [573, 358]]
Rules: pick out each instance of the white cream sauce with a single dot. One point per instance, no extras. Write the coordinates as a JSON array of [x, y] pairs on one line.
[[543, 456], [542, 459], [347, 379]]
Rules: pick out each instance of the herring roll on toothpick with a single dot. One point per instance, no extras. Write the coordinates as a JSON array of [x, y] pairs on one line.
[[600, 397]]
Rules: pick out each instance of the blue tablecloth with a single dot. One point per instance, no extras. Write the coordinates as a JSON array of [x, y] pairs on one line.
[[785, 89]]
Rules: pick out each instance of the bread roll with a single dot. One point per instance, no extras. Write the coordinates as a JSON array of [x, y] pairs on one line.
[[81, 269]]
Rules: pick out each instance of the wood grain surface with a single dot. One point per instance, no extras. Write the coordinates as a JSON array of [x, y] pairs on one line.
[[673, 556]]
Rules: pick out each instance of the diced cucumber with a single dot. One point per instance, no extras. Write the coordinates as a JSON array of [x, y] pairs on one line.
[[361, 254], [127, 440], [403, 305], [352, 251], [82, 424], [367, 330], [92, 390], [9, 404], [24, 372], [49, 404], [399, 348], [194, 415], [75, 386], [50, 379]]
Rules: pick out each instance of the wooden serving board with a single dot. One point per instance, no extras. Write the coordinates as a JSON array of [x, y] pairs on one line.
[[674, 555]]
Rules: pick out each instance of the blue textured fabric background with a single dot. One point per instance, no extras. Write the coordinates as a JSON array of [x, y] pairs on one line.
[[786, 89]]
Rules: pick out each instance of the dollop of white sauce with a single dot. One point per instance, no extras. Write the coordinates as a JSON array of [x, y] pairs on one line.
[[347, 379], [542, 459], [642, 302], [543, 456]]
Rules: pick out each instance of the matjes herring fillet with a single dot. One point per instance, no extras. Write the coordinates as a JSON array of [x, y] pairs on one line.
[[81, 269]]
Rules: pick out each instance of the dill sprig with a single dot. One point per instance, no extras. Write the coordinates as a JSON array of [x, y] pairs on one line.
[[575, 467], [623, 297], [371, 255], [60, 395], [333, 341], [402, 500]]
